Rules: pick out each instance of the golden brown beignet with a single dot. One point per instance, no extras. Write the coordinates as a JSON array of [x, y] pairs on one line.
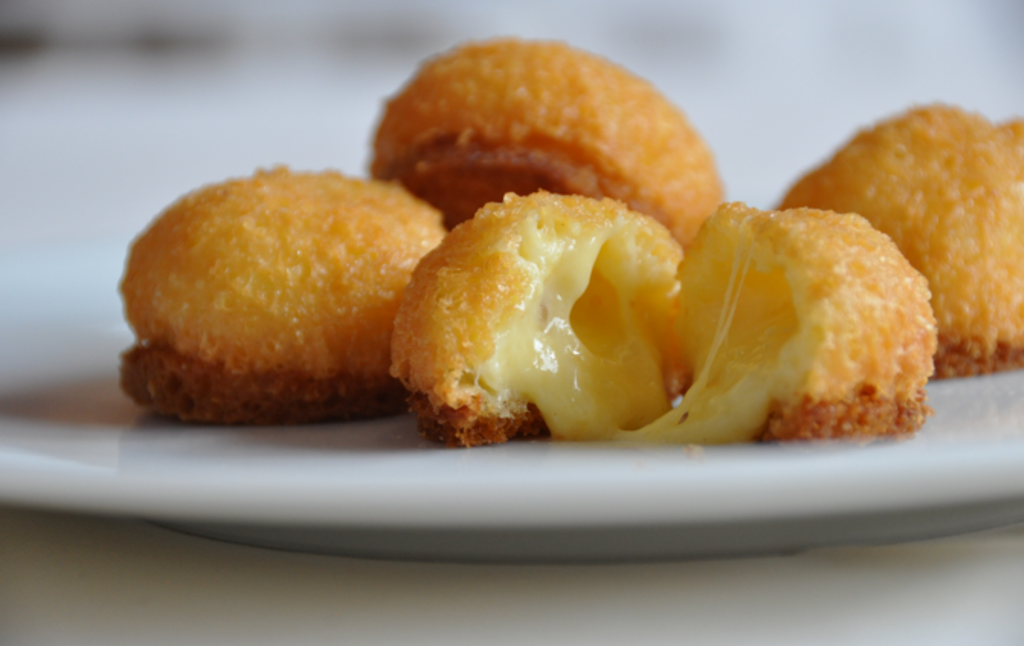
[[271, 299], [948, 187], [516, 116]]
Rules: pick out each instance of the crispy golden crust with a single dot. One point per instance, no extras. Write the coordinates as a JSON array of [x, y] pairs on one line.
[[948, 187], [516, 116], [197, 391], [868, 414], [276, 280], [464, 426], [967, 358]]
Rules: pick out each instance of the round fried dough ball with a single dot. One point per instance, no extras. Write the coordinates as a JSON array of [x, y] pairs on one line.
[[517, 116], [271, 299], [948, 187], [798, 324], [542, 314]]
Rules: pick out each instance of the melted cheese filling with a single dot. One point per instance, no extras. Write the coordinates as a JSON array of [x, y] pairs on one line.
[[737, 333], [579, 350]]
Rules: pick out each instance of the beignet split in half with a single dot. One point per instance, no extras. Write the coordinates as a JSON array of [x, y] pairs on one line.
[[576, 317]]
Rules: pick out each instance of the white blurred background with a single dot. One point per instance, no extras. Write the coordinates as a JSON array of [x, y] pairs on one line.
[[110, 109]]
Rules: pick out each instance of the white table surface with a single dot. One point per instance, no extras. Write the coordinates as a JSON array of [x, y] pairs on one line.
[[68, 579], [95, 140]]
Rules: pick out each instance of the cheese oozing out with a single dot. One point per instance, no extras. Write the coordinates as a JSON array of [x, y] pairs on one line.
[[740, 330], [582, 347]]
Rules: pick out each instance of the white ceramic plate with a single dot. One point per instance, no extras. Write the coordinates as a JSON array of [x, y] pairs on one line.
[[69, 440]]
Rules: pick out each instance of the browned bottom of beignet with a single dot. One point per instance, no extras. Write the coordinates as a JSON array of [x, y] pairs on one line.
[[867, 414], [458, 178], [463, 427], [198, 391], [969, 357]]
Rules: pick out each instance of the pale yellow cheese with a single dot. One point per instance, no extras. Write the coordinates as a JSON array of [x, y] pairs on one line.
[[736, 334], [578, 348]]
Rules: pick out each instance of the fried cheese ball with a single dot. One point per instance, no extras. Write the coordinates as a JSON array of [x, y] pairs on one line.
[[543, 313], [508, 115], [948, 187], [271, 299], [798, 324]]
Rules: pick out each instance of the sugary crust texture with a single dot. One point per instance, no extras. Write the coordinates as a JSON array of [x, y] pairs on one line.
[[863, 309], [197, 391], [515, 116], [948, 187], [464, 293], [460, 296], [865, 415], [280, 276]]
